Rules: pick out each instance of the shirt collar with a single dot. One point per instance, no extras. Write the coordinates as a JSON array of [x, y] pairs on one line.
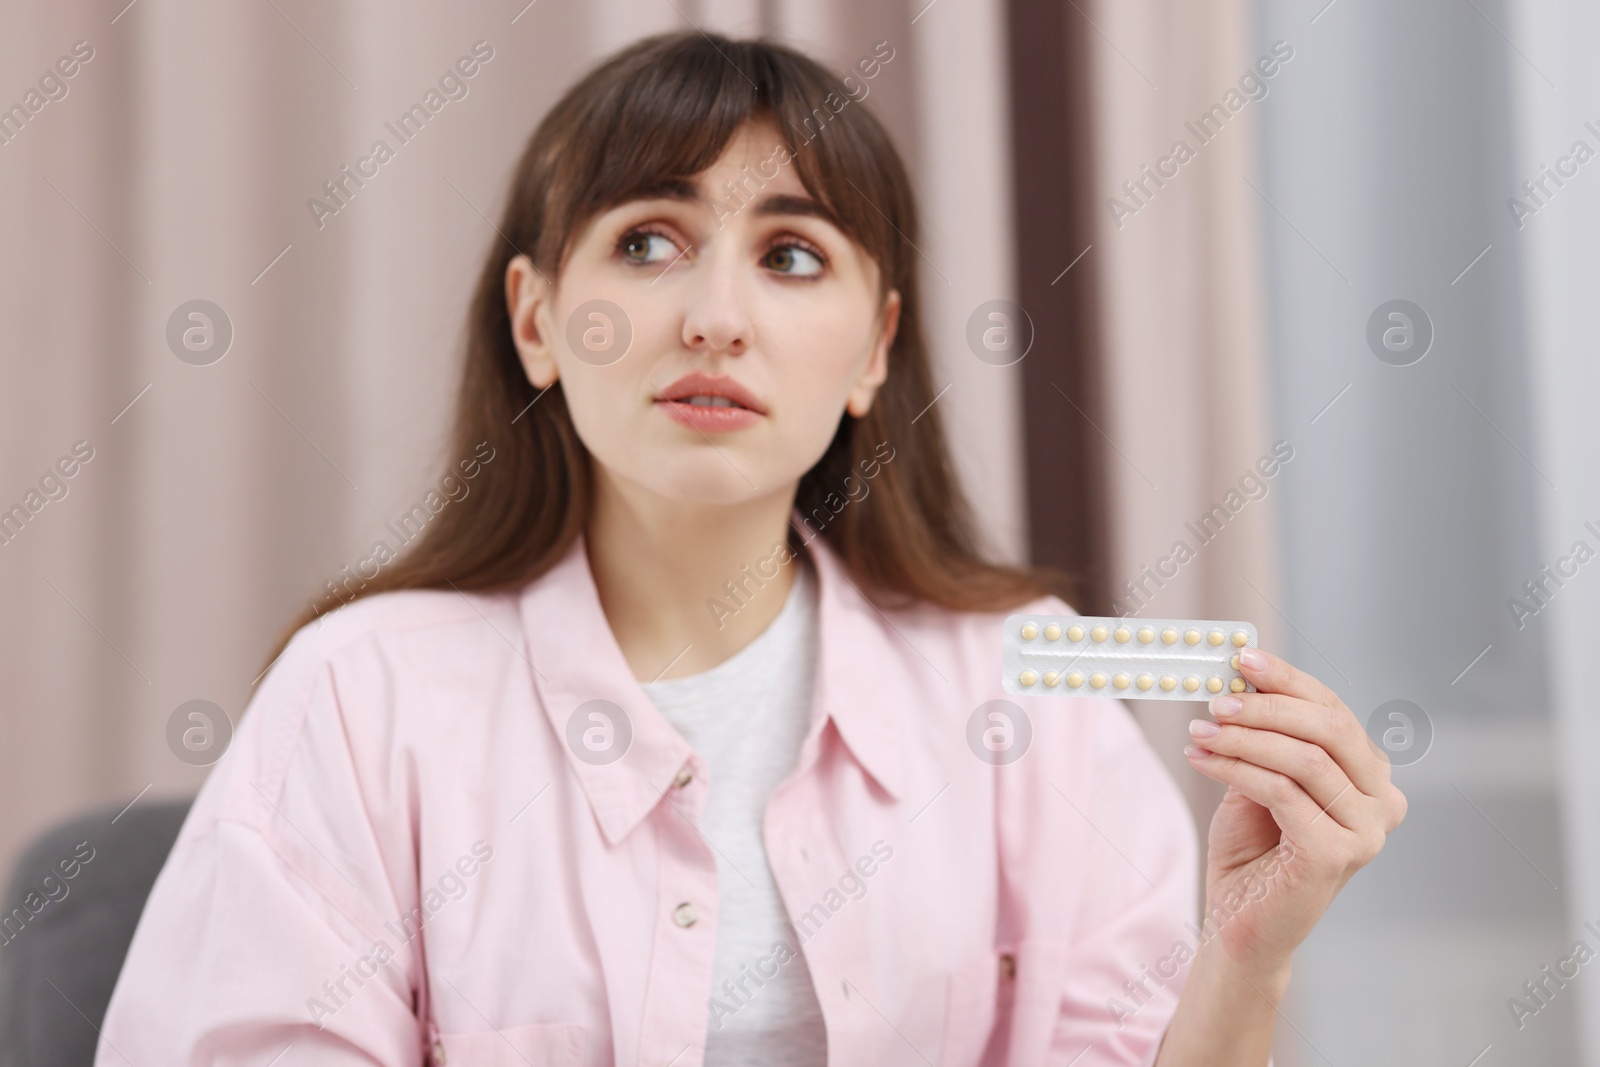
[[576, 660], [856, 672]]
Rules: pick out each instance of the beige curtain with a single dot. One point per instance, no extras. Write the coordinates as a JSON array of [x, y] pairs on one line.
[[1184, 356], [178, 167]]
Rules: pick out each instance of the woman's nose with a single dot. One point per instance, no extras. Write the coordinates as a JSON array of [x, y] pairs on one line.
[[718, 318]]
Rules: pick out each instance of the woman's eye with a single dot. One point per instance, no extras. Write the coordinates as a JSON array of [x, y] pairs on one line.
[[644, 246], [794, 259]]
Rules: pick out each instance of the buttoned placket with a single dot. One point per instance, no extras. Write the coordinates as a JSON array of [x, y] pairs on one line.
[[683, 955], [804, 838], [806, 860]]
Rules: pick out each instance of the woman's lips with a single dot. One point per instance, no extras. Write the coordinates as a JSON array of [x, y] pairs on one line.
[[711, 402], [709, 414]]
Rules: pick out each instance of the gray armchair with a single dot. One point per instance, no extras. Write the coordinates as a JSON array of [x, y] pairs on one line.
[[63, 937]]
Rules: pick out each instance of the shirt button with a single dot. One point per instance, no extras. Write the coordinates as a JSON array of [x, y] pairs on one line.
[[684, 914], [684, 777], [1008, 965]]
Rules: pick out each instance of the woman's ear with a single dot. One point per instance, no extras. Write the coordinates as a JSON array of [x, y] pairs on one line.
[[528, 297], [873, 374]]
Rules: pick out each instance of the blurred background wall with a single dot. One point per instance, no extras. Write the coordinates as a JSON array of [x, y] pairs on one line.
[[1385, 167], [1177, 316]]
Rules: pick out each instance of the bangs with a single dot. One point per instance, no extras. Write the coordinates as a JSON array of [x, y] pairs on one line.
[[665, 109]]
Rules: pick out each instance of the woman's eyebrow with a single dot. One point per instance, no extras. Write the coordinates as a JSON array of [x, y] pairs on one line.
[[669, 189], [785, 204], [684, 191]]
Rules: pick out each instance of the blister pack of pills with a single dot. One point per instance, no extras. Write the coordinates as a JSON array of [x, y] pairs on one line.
[[1146, 659]]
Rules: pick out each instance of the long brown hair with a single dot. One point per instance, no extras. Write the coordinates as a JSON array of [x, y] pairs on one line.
[[660, 109]]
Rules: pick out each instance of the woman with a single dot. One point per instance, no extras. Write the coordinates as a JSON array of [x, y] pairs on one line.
[[653, 749]]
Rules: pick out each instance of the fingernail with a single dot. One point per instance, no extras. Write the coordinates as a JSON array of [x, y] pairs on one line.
[[1253, 658], [1194, 751], [1203, 728], [1224, 706]]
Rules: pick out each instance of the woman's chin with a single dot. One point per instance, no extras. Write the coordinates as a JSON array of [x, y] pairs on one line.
[[706, 478]]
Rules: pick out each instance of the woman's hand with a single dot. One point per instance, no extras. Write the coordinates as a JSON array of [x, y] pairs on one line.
[[1309, 803]]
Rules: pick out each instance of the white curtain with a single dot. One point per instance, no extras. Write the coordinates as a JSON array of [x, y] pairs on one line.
[[1557, 105], [1409, 516]]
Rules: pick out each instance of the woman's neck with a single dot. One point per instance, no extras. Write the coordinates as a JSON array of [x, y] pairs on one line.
[[684, 585]]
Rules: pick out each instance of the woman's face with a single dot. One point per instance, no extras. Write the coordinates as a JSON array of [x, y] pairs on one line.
[[708, 338]]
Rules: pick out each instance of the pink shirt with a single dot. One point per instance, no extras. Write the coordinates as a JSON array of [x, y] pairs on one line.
[[422, 842]]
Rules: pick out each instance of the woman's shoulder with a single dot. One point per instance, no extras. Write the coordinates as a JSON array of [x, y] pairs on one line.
[[971, 637], [352, 673], [403, 615], [328, 717], [990, 622]]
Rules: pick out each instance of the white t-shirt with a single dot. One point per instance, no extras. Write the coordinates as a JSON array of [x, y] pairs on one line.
[[747, 717]]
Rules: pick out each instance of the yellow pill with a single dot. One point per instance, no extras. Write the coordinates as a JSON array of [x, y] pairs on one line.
[[1029, 631], [1168, 683], [1235, 661], [1053, 633], [1121, 681], [1098, 633], [1213, 684], [1191, 684], [1097, 680], [1169, 636], [1145, 682], [1237, 685], [1122, 634], [1074, 633], [1051, 678], [1146, 635], [1027, 678], [1191, 637], [1215, 637], [1240, 638], [1074, 680]]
